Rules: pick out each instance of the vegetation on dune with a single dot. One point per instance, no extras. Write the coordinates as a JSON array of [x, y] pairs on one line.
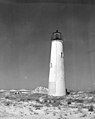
[[73, 99], [91, 108], [43, 99], [24, 97]]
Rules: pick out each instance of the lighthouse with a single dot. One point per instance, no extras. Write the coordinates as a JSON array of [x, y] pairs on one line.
[[56, 71]]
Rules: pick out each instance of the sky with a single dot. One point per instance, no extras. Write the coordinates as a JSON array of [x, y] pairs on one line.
[[25, 33]]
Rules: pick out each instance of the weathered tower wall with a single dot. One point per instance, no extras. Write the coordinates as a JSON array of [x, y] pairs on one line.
[[56, 74]]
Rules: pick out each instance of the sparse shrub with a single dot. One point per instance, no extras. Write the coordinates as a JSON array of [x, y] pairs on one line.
[[91, 108], [59, 107], [92, 92], [54, 113], [38, 107], [69, 102], [47, 104], [91, 100], [37, 100], [79, 101], [11, 97], [55, 103], [84, 115], [67, 93], [80, 108], [6, 97], [8, 103], [23, 99], [35, 113]]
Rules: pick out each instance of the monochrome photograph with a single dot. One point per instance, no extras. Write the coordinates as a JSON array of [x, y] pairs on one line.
[[47, 59]]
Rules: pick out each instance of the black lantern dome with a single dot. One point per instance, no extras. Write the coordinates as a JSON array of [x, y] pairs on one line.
[[56, 35]]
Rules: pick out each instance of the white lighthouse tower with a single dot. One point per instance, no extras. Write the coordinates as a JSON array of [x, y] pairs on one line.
[[56, 73]]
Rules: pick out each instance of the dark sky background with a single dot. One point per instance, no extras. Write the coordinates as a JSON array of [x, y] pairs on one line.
[[25, 32]]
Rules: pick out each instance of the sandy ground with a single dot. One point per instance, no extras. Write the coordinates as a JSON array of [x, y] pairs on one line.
[[54, 114], [78, 105], [45, 113]]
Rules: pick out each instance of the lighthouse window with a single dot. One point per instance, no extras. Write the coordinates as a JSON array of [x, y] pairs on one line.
[[50, 64], [56, 36], [61, 54]]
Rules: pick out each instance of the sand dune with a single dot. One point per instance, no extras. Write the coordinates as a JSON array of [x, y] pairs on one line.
[[76, 105]]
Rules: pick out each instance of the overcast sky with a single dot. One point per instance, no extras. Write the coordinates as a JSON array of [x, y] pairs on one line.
[[25, 32]]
